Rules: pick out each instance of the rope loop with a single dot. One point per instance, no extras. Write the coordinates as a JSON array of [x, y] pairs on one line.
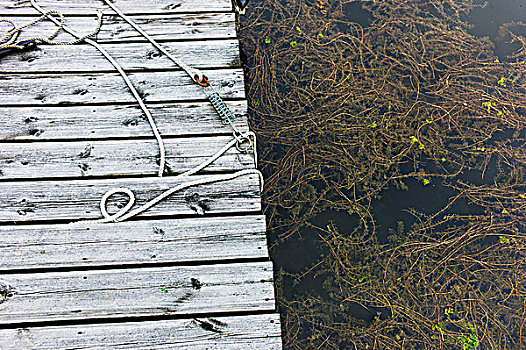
[[9, 40], [243, 142], [104, 202]]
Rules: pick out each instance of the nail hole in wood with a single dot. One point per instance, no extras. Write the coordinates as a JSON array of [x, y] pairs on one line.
[[35, 132], [196, 284]]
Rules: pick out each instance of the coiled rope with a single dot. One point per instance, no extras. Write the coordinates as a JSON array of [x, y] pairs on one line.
[[239, 138], [9, 40]]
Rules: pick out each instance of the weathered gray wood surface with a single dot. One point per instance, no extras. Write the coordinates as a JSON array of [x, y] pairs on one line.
[[228, 333], [79, 199], [160, 27], [127, 6], [63, 89], [115, 158], [137, 242], [131, 56], [87, 122], [155, 291], [65, 114]]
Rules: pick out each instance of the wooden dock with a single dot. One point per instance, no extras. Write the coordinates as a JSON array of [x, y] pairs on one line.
[[192, 272]]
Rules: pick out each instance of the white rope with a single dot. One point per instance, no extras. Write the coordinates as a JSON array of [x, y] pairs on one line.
[[189, 70], [8, 41], [125, 213], [126, 79], [122, 214], [212, 95]]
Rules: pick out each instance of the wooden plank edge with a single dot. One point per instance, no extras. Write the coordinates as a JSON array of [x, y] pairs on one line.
[[137, 292], [99, 88], [164, 27], [228, 333], [139, 242], [19, 161], [131, 56], [116, 121], [74, 200], [79, 7]]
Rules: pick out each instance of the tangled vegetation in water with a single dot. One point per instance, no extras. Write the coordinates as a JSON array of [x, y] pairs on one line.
[[344, 111]]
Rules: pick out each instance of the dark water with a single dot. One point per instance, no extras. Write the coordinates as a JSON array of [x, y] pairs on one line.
[[487, 21], [301, 252]]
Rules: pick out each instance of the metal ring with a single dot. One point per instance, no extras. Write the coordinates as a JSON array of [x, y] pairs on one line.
[[202, 82], [239, 144]]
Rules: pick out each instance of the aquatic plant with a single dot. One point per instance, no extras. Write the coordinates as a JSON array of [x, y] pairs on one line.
[[469, 342], [359, 109]]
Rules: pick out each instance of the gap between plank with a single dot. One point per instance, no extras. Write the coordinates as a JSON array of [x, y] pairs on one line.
[[40, 324], [133, 266]]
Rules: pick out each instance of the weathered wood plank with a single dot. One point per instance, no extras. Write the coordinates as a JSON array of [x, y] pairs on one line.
[[131, 56], [79, 7], [137, 242], [87, 122], [98, 88], [79, 199], [155, 291], [116, 158], [228, 333], [195, 26]]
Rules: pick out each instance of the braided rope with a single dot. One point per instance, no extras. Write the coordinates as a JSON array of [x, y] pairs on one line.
[[125, 213], [192, 72], [128, 82], [221, 108], [8, 41]]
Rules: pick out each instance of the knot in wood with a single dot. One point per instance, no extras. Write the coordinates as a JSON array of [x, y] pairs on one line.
[[6, 291], [196, 203]]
